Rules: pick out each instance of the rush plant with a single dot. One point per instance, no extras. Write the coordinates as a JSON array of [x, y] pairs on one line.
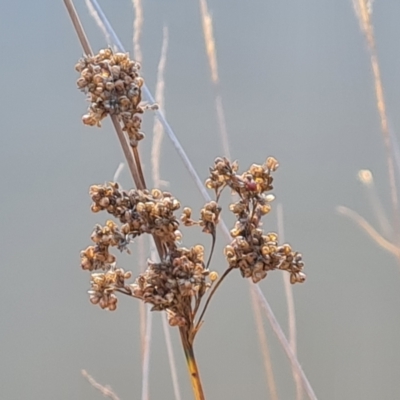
[[181, 281]]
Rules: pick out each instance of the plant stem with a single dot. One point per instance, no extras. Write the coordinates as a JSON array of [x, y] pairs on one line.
[[192, 365], [199, 321]]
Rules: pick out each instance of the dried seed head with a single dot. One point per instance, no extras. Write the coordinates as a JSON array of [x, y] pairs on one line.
[[113, 85]]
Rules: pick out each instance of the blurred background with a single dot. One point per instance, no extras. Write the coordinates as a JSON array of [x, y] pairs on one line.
[[296, 82]]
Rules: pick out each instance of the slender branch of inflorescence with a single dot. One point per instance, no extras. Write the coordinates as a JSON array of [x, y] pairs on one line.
[[213, 290]]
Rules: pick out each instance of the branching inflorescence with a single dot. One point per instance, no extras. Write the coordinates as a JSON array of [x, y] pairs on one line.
[[179, 280]]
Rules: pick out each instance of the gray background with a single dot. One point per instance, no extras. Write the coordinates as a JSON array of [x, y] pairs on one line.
[[296, 84]]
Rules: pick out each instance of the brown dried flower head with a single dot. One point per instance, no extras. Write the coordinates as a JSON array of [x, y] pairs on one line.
[[175, 283], [252, 251], [113, 85]]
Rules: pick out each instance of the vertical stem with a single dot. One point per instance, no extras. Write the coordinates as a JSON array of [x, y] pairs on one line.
[[192, 365], [78, 27]]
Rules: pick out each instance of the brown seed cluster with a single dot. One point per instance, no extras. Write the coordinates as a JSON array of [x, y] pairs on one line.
[[258, 253], [251, 184], [251, 250], [104, 284], [98, 256], [209, 217], [113, 85], [175, 283], [140, 211]]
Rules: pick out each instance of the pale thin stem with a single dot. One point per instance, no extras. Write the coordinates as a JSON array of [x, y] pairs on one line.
[[158, 132], [222, 126], [211, 51], [171, 358], [106, 391], [78, 27], [290, 306], [215, 287], [118, 172], [262, 337], [366, 227], [364, 16], [146, 356], [137, 29], [367, 180], [95, 16], [142, 306], [282, 338]]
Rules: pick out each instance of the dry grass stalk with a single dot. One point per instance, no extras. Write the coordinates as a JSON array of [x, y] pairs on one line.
[[262, 337], [366, 178], [366, 227], [211, 51], [171, 358], [363, 10], [279, 333], [106, 391], [137, 29], [146, 355], [291, 309], [158, 131], [93, 13]]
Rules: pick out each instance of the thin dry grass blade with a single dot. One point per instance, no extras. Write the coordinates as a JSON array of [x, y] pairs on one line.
[[366, 227], [106, 391], [198, 182], [367, 179], [262, 337], [282, 338], [363, 12], [118, 171], [222, 126], [142, 306], [211, 51], [158, 131], [137, 29], [291, 307], [146, 355], [206, 20], [171, 357], [95, 16]]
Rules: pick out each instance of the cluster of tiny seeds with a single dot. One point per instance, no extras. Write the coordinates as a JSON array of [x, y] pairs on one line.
[[209, 217], [172, 284], [257, 254], [104, 284], [251, 184], [113, 85], [140, 211], [252, 251], [98, 256], [221, 174]]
